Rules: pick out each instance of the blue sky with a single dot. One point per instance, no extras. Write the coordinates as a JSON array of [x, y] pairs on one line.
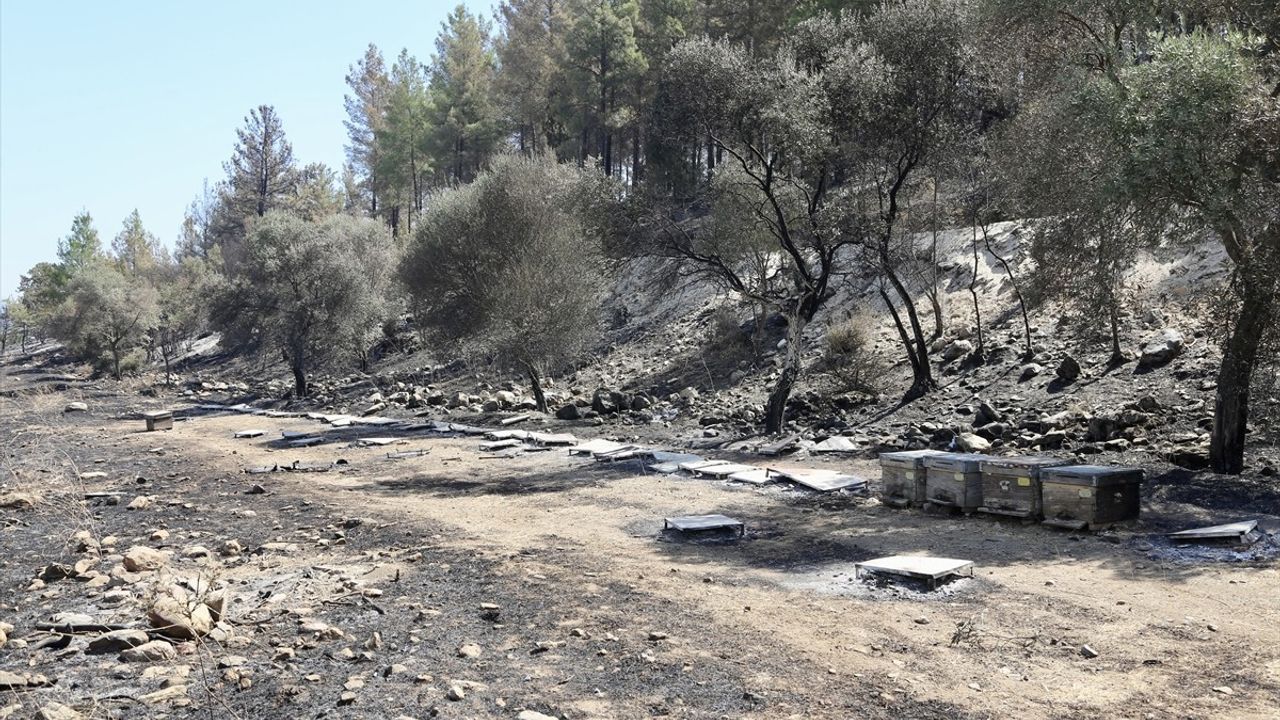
[[110, 106]]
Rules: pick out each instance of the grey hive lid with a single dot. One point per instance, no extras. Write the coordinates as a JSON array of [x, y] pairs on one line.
[[1091, 474], [1032, 461], [951, 461], [908, 457]]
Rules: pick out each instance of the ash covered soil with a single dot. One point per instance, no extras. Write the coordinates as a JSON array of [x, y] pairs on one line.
[[453, 584]]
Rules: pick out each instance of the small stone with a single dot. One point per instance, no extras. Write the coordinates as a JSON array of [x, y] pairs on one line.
[[456, 693], [922, 620], [57, 711], [75, 407], [154, 651], [532, 715], [1088, 652], [469, 650], [655, 636], [1224, 689], [142, 502]]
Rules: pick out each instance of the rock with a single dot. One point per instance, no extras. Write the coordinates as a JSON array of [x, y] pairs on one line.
[[569, 412], [986, 414], [57, 711], [641, 402], [142, 502], [456, 693], [689, 394], [17, 501], [56, 571], [1160, 348], [922, 620], [117, 641], [505, 398], [231, 548], [175, 616], [171, 692], [154, 651], [196, 551], [1068, 370], [1224, 689], [532, 715], [602, 401], [972, 443], [1088, 652], [469, 650], [655, 636], [139, 558], [957, 350], [1029, 371], [75, 407]]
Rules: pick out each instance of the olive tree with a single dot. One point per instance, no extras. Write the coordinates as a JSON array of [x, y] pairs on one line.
[[829, 136], [106, 314], [310, 291], [1184, 112], [511, 267]]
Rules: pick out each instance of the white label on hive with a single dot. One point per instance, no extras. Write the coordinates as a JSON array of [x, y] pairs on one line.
[[1024, 482], [910, 474], [1086, 493]]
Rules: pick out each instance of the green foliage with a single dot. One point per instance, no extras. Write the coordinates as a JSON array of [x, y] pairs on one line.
[[465, 122], [81, 248], [508, 268], [106, 315], [135, 250], [312, 291]]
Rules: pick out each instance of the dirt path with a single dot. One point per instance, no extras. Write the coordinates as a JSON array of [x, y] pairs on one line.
[[1173, 639]]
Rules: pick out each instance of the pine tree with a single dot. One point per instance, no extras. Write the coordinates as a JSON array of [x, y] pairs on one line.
[[606, 59], [403, 143], [78, 249], [136, 251], [366, 116], [465, 122], [531, 55]]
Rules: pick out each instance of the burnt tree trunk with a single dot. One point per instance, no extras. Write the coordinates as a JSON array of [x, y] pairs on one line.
[[299, 366], [776, 409], [981, 352], [535, 383], [1022, 304], [1231, 409]]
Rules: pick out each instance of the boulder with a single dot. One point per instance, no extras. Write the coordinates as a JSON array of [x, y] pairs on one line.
[[117, 641], [972, 443], [1160, 348], [177, 617], [569, 412], [506, 398], [957, 350], [139, 558], [1068, 370], [602, 402]]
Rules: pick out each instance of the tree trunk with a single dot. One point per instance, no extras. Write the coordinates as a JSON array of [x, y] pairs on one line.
[[934, 299], [115, 361], [168, 376], [535, 383], [981, 352], [1022, 305], [922, 374], [299, 377], [776, 410], [902, 334], [1231, 411], [1117, 355]]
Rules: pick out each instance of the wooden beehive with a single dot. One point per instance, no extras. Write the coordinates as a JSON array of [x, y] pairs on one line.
[[158, 420], [954, 480], [1011, 485], [902, 474], [1089, 496]]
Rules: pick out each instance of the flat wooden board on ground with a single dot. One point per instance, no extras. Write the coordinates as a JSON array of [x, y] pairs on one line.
[[694, 523]]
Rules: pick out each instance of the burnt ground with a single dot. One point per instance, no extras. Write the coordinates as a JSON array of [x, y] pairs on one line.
[[357, 587]]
